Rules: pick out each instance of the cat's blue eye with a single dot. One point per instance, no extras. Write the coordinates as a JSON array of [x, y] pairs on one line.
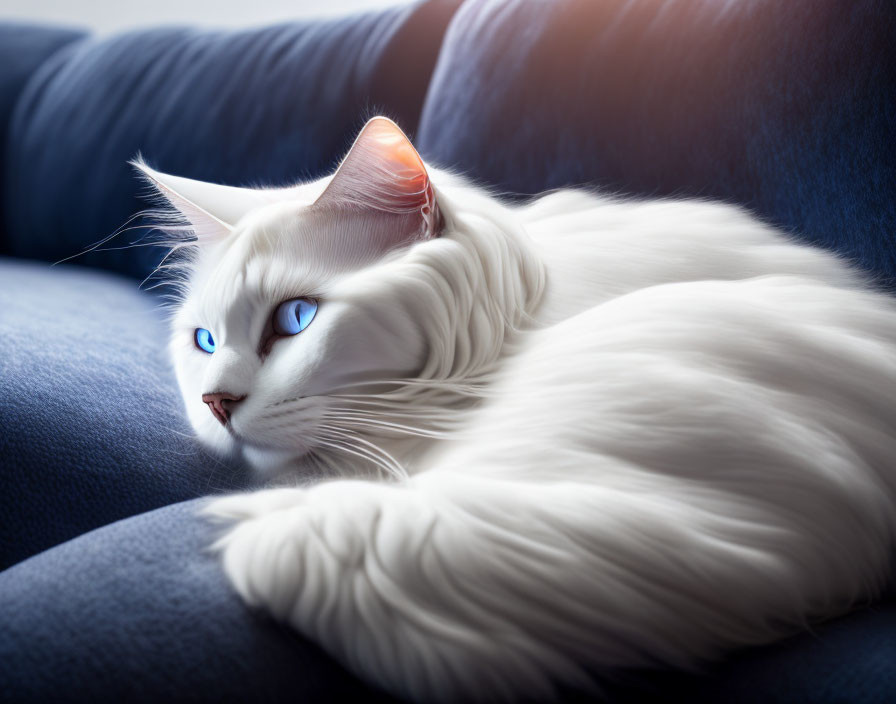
[[204, 340], [291, 317]]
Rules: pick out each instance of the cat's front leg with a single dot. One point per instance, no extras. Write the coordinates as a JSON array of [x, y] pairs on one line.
[[399, 582]]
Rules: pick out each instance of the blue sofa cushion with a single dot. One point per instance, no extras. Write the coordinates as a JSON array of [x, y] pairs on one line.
[[91, 424], [139, 611], [788, 107], [263, 106], [23, 50]]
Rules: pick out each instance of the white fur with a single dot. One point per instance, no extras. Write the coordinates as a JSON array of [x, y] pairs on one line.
[[587, 434]]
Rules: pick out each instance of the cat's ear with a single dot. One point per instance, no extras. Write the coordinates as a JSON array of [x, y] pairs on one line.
[[383, 172], [212, 209]]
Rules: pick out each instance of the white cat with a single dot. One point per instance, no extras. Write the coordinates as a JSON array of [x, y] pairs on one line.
[[528, 444]]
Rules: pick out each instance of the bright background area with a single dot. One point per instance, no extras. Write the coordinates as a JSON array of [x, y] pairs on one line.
[[111, 15]]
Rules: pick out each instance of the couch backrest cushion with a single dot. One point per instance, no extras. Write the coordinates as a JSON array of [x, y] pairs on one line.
[[261, 106], [23, 50], [788, 107]]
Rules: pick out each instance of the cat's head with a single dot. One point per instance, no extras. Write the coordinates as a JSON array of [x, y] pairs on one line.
[[300, 302]]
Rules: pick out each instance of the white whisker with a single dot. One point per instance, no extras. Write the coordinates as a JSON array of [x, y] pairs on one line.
[[340, 446], [395, 467], [363, 420]]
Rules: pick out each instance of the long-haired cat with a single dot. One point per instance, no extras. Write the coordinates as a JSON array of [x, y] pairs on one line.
[[525, 445]]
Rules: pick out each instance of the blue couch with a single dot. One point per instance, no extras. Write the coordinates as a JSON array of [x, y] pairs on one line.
[[107, 591]]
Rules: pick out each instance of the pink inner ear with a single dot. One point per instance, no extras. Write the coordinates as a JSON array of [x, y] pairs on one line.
[[383, 172]]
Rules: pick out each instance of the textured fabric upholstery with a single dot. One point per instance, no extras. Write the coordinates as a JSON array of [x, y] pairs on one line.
[[23, 50]]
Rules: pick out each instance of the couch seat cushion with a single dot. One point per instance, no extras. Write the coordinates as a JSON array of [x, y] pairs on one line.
[[91, 424]]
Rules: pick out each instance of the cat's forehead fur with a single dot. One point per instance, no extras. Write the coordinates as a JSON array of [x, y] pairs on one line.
[[286, 249]]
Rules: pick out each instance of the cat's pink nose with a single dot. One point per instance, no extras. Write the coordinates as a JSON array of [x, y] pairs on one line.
[[221, 404]]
